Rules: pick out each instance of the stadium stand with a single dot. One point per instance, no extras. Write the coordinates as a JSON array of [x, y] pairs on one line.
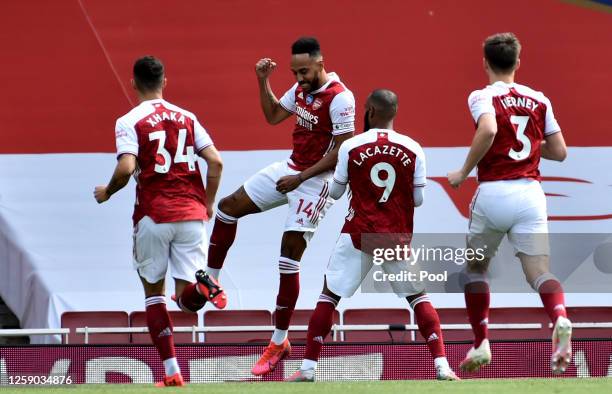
[[73, 320], [179, 319], [238, 318], [377, 316]]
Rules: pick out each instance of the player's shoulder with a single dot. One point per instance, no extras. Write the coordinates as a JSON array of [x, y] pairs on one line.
[[525, 90], [358, 140], [176, 108], [486, 94], [408, 142], [136, 114]]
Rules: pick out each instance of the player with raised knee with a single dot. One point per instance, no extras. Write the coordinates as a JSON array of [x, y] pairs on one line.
[[324, 110], [386, 174], [515, 127], [158, 143]]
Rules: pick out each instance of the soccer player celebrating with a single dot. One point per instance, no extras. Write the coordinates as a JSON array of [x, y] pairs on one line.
[[515, 127], [158, 142], [386, 174], [325, 112]]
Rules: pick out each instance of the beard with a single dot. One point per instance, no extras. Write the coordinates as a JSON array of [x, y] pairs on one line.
[[366, 121]]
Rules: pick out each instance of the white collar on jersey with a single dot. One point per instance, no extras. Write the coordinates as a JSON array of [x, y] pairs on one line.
[[375, 130], [332, 77], [504, 84]]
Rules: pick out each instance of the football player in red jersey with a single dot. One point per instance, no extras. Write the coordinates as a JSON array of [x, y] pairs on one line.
[[159, 143], [386, 174], [324, 112], [515, 127]]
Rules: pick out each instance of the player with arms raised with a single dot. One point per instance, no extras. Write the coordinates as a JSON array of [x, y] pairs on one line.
[[158, 142], [515, 127], [386, 174], [324, 111]]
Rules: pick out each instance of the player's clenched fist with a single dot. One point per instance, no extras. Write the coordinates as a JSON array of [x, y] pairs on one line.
[[264, 67], [101, 194]]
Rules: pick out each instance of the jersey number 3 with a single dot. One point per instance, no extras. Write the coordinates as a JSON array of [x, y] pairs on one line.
[[180, 157], [521, 123]]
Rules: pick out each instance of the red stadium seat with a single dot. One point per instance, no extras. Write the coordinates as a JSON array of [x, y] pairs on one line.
[[519, 315], [590, 314], [452, 316], [179, 319], [238, 318], [73, 320], [377, 316], [301, 317]]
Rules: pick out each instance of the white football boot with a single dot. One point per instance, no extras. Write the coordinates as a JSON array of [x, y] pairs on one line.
[[477, 357], [302, 375], [562, 345]]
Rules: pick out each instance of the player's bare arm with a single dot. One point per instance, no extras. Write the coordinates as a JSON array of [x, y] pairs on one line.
[[554, 148], [126, 165], [327, 163], [273, 111], [483, 139], [214, 165]]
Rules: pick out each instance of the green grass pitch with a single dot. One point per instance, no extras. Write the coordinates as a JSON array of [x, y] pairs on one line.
[[495, 386]]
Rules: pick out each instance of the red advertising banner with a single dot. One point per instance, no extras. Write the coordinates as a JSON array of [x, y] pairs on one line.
[[215, 363]]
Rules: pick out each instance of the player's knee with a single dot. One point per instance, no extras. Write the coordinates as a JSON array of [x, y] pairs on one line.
[[477, 266], [293, 245]]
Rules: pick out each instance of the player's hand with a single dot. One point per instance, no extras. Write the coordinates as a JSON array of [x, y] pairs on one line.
[[264, 68], [101, 194], [456, 178], [287, 183]]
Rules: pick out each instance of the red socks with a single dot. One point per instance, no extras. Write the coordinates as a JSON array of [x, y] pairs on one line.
[[319, 326], [221, 239], [160, 326], [477, 299], [191, 300], [429, 325], [288, 292], [552, 295]]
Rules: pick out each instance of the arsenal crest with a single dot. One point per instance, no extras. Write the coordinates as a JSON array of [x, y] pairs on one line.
[[317, 104]]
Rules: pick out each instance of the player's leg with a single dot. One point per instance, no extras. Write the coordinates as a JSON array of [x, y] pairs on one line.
[[151, 253], [428, 321], [319, 327], [187, 261], [293, 245], [256, 195], [345, 272], [487, 227], [529, 236]]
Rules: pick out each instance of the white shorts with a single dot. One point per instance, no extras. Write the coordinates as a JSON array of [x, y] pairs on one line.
[[184, 245], [348, 267], [307, 204], [515, 207]]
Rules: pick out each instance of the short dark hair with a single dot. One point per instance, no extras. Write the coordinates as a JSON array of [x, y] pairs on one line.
[[385, 102], [502, 51], [308, 45], [148, 73]]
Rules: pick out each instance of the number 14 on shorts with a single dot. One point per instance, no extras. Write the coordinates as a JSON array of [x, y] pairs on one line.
[[307, 209]]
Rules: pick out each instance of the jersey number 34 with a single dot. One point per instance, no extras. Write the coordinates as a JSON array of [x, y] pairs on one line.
[[179, 157]]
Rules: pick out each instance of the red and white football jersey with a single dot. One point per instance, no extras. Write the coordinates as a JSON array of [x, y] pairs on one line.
[[320, 115], [165, 140], [382, 168], [524, 117]]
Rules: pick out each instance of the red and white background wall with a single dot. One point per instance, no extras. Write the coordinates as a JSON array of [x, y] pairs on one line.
[[67, 66]]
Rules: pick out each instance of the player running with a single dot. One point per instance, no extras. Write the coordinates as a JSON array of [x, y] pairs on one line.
[[515, 126], [158, 142], [325, 112], [386, 173]]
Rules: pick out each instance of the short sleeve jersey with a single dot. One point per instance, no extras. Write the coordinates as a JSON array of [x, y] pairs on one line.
[[524, 118], [320, 115], [165, 140], [382, 168]]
